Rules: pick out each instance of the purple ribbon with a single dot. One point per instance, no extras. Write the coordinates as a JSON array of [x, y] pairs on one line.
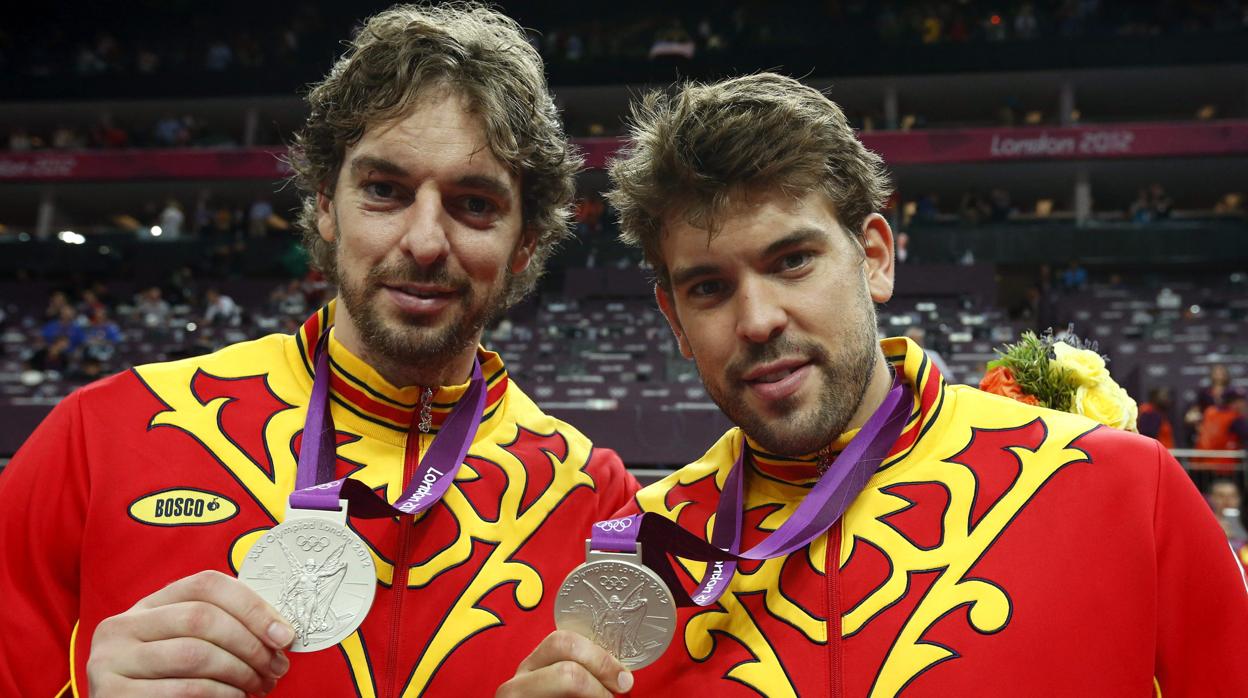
[[315, 487], [818, 511]]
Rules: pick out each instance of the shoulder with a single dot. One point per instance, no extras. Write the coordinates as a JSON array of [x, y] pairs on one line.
[[243, 358], [1112, 450], [696, 483]]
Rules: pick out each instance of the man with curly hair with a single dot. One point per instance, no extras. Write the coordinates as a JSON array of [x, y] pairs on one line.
[[917, 538], [436, 179]]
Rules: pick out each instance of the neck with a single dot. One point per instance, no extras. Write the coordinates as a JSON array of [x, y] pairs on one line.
[[877, 390]]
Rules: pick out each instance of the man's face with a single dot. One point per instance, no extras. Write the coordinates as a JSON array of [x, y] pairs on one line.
[[777, 311], [427, 228], [1224, 496]]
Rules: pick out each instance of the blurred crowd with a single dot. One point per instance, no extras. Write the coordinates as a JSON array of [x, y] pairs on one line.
[[156, 38]]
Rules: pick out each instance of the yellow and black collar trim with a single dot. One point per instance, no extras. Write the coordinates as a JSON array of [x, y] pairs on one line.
[[358, 388], [917, 370]]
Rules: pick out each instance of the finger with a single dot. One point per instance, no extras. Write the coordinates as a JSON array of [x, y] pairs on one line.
[[566, 646], [193, 658], [231, 595], [565, 679], [205, 621]]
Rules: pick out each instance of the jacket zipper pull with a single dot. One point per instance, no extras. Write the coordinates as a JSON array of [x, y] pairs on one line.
[[426, 411]]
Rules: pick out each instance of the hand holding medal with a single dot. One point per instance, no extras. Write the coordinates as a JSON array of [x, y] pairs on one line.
[[624, 596]]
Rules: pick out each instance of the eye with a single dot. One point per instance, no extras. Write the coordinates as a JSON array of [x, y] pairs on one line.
[[705, 289], [794, 260], [380, 190], [479, 205]]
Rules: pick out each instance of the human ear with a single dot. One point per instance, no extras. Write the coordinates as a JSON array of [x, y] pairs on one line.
[[877, 245]]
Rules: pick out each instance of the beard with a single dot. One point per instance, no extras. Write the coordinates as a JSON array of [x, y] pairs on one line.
[[844, 380], [406, 342]]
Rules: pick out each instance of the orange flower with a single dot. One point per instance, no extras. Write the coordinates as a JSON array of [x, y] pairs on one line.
[[1000, 381]]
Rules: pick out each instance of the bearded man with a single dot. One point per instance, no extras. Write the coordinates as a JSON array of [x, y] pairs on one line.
[[437, 179], [898, 536]]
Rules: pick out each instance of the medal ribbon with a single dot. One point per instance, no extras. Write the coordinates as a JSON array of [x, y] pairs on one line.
[[817, 512], [315, 487]]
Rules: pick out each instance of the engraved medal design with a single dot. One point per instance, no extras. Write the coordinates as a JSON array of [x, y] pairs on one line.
[[621, 605], [317, 573]]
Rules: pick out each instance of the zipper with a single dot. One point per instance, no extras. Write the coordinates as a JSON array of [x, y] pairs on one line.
[[832, 573], [398, 586]]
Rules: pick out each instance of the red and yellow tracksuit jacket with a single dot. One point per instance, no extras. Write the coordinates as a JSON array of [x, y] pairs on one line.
[[160, 472], [1000, 550]]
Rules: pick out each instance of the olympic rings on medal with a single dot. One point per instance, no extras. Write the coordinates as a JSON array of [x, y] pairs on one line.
[[312, 544], [615, 525], [612, 582]]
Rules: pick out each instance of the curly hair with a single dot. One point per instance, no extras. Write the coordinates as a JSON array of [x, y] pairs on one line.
[[408, 51], [690, 152]]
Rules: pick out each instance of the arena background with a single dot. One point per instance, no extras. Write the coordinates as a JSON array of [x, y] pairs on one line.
[[1056, 162]]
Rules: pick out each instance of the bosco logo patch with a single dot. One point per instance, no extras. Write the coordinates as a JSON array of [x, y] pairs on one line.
[[182, 507]]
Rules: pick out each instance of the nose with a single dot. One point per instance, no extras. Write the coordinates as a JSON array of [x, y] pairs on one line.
[[760, 315], [425, 239]]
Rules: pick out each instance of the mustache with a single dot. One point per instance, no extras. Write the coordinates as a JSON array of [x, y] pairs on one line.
[[437, 275], [772, 350]]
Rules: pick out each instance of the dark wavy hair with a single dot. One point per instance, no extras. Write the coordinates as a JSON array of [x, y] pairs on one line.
[[690, 152], [407, 52]]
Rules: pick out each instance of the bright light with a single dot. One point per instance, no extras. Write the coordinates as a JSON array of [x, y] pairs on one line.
[[69, 237], [191, 327], [156, 231]]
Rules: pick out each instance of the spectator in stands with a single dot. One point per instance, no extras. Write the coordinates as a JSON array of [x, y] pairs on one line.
[[1226, 501], [903, 248], [57, 301], [105, 133], [170, 132], [89, 303], [56, 355], [65, 325], [1141, 211], [151, 307], [181, 288], [288, 299], [1223, 427], [220, 310], [974, 209], [171, 220], [1159, 202], [1219, 382], [101, 336], [999, 207], [88, 369], [258, 217], [101, 294], [21, 141], [672, 42], [1074, 277], [1154, 417]]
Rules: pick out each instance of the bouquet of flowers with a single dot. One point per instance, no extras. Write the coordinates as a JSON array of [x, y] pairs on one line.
[[1066, 374]]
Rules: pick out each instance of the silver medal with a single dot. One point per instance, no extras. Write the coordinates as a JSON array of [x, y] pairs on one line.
[[317, 573], [619, 603]]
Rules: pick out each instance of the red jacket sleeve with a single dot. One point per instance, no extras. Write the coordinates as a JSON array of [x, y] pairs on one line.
[[1202, 627], [43, 496], [616, 486]]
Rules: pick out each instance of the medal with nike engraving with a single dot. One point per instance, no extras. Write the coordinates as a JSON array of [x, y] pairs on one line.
[[317, 573], [311, 567], [630, 554], [620, 604]]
